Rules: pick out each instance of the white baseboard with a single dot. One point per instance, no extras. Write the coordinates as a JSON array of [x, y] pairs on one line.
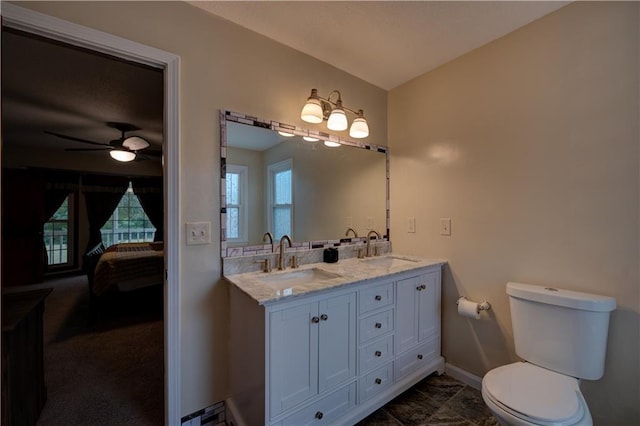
[[464, 376]]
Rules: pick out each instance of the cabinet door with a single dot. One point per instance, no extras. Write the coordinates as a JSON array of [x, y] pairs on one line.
[[293, 356], [407, 302], [337, 347], [428, 310]]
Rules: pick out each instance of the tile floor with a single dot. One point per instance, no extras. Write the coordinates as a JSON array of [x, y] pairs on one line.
[[436, 400]]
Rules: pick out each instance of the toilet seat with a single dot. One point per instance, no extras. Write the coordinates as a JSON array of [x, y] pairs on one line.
[[535, 394]]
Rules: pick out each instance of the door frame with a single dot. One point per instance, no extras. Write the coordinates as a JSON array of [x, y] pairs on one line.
[[57, 29]]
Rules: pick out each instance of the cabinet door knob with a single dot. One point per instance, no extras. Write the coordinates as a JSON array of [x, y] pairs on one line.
[[378, 325], [419, 356], [423, 287], [419, 288], [315, 320], [319, 415], [378, 381], [378, 353], [378, 297], [324, 317]]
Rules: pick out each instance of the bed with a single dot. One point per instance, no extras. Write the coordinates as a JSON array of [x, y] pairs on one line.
[[127, 267]]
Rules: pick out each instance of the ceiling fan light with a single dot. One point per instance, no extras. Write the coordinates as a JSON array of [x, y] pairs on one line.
[[359, 128], [135, 143], [312, 109], [337, 120], [122, 155]]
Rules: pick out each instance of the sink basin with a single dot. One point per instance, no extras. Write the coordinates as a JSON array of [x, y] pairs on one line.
[[284, 280], [388, 261]]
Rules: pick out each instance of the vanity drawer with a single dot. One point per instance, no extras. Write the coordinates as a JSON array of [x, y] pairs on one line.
[[376, 325], [326, 411], [372, 298], [414, 359], [375, 382], [376, 353]]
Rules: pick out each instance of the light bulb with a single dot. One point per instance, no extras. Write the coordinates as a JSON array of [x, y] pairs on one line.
[[310, 139], [285, 134], [359, 128], [312, 109], [122, 155], [331, 144], [337, 120]]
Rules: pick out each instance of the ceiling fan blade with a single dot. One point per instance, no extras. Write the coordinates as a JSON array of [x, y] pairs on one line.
[[88, 149], [71, 138]]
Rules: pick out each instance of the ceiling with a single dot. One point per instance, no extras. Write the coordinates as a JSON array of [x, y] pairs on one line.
[[47, 86], [385, 43]]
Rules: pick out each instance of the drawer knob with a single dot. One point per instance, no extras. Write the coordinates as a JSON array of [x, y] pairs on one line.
[[378, 325], [378, 381], [423, 287], [419, 356], [378, 297], [419, 288], [319, 415], [324, 317], [378, 353], [315, 320]]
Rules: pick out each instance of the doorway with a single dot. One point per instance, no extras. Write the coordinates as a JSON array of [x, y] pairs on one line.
[[41, 25]]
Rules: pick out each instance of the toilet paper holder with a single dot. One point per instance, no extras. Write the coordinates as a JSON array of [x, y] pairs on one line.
[[482, 306]]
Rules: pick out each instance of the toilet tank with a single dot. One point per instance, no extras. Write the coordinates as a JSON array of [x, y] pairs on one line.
[[561, 330]]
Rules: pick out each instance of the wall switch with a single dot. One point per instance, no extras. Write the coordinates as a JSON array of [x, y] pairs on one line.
[[411, 225], [198, 233], [445, 226]]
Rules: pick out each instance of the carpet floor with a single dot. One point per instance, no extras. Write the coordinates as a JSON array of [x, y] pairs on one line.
[[105, 371]]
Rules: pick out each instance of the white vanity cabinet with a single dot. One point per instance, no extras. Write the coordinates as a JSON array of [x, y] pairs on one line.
[[336, 355], [311, 349]]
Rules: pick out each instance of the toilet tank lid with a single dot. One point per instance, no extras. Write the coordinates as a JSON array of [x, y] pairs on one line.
[[560, 297]]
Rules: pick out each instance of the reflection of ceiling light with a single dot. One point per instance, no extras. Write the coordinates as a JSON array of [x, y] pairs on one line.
[[331, 144], [285, 134], [310, 139], [122, 155], [134, 143], [317, 109]]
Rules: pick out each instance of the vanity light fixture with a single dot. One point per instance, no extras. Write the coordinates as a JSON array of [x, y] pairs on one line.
[[331, 144], [310, 139], [317, 109], [285, 134]]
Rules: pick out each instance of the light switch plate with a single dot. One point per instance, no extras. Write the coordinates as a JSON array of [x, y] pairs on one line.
[[445, 226], [198, 233]]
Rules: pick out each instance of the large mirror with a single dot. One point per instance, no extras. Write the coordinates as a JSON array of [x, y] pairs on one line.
[[288, 185]]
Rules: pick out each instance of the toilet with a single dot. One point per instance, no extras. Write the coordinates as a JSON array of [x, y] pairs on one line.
[[562, 337]]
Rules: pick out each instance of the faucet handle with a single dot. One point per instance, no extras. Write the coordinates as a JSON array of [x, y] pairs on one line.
[[266, 264]]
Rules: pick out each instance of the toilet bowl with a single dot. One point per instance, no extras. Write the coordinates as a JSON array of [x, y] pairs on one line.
[[522, 394], [562, 336]]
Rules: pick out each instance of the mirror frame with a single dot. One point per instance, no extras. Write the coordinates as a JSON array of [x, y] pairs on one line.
[[237, 251]]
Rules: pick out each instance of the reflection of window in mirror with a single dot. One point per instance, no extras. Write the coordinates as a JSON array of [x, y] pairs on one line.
[[280, 192], [237, 223]]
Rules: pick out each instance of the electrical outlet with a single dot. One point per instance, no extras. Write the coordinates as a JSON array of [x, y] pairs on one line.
[[198, 233], [445, 226], [411, 225]]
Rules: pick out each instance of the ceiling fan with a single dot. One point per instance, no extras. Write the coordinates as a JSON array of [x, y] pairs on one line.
[[124, 149]]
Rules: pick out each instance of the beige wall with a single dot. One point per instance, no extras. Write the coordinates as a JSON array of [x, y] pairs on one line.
[[530, 145], [222, 67]]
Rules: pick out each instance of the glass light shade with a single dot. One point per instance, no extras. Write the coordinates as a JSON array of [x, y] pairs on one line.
[[135, 143], [310, 139], [312, 111], [121, 155], [285, 134], [331, 144], [359, 128], [337, 120]]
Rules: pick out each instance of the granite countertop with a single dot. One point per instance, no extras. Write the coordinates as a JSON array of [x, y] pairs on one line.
[[266, 288]]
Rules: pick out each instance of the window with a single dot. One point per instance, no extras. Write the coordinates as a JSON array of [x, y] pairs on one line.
[[237, 221], [280, 190], [128, 222], [57, 235]]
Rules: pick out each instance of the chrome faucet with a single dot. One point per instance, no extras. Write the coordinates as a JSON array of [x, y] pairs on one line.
[[281, 265], [378, 236], [355, 234], [270, 237]]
